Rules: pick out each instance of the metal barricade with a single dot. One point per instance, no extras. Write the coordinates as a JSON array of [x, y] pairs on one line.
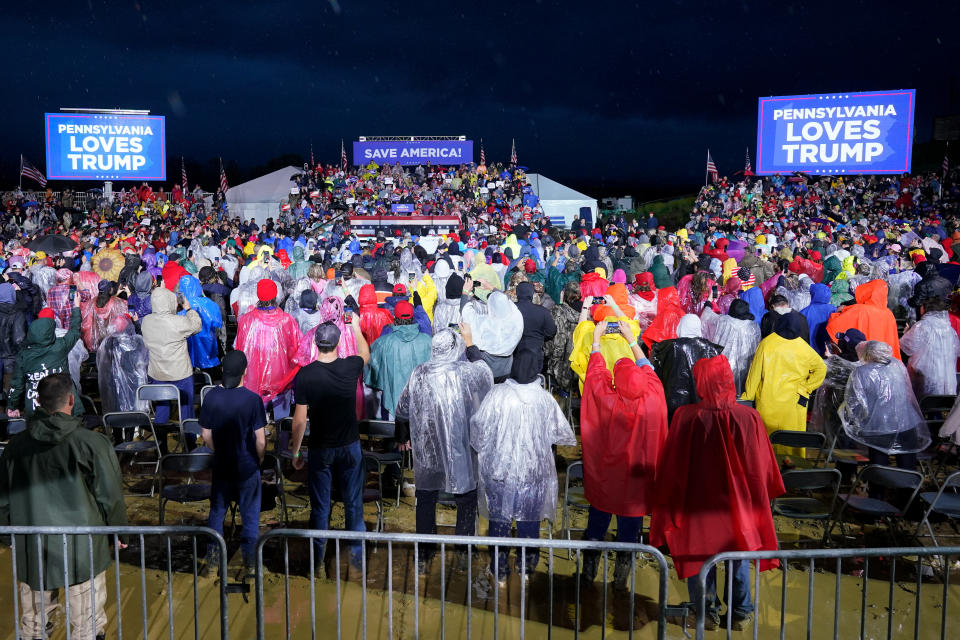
[[903, 599], [470, 601], [34, 549]]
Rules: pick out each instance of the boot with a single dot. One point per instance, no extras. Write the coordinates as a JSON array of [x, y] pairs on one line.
[[588, 566], [622, 571]]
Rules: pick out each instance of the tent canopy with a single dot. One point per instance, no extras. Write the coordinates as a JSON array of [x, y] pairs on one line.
[[260, 198], [560, 203]]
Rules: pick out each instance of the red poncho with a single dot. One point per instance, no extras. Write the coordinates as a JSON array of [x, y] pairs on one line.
[[716, 476], [270, 339], [669, 312], [623, 429], [372, 318], [171, 274]]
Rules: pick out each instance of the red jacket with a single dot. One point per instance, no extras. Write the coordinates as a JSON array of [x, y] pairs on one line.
[[623, 429], [715, 477]]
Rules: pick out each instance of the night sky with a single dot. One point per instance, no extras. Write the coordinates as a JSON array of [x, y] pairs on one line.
[[607, 96]]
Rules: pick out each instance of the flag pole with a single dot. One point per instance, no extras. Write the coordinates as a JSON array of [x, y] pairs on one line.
[[706, 172], [20, 178]]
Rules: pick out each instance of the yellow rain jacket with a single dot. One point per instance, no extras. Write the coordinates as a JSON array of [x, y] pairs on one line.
[[783, 372], [729, 270], [427, 289], [612, 346]]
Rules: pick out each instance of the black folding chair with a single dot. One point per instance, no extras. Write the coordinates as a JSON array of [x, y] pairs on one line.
[[807, 506], [874, 508], [175, 465], [801, 440], [382, 430], [118, 426], [935, 410], [271, 476], [161, 392], [944, 502]]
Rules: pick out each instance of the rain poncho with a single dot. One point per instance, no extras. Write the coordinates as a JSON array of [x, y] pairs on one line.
[[498, 331], [270, 339], [372, 317], [933, 348], [439, 399], [716, 477], [97, 319], [446, 312], [122, 367], [203, 344], [673, 361], [612, 347], [879, 409], [785, 372], [669, 312], [828, 398], [512, 433], [623, 425], [817, 313], [754, 297], [870, 315], [393, 358], [738, 338]]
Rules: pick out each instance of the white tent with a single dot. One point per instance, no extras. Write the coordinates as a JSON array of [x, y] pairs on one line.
[[260, 198], [560, 203]]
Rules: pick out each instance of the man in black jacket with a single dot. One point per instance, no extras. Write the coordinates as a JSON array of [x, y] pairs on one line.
[[538, 326], [931, 285]]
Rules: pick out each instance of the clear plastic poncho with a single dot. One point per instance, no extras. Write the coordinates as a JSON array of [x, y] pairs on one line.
[[900, 288], [739, 339], [513, 433], [445, 313], [497, 331], [879, 409], [439, 399], [933, 347], [824, 417], [246, 294], [44, 277], [122, 360]]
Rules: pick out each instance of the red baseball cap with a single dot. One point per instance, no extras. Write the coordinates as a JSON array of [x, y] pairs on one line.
[[403, 310], [399, 290], [266, 290]]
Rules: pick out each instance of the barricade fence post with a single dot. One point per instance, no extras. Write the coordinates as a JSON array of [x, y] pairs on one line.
[[485, 606], [66, 569], [801, 565]]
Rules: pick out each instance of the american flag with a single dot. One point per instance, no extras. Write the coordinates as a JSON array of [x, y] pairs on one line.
[[513, 151], [29, 171], [747, 168], [483, 156], [711, 168], [946, 160], [183, 176], [343, 155], [223, 180]]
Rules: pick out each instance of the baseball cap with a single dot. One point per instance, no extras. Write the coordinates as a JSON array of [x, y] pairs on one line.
[[403, 310], [234, 366], [399, 290], [266, 290], [327, 336]]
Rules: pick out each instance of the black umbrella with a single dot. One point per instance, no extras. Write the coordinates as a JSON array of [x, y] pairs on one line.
[[52, 244]]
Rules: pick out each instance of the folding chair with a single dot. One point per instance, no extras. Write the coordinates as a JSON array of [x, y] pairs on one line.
[[573, 498], [272, 476], [189, 432], [160, 392], [801, 440], [945, 502], [874, 508], [383, 430], [371, 494], [176, 464], [807, 507], [204, 391], [849, 456], [935, 410], [121, 421]]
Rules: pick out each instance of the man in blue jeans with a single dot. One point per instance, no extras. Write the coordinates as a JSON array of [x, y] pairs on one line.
[[232, 421], [325, 392]]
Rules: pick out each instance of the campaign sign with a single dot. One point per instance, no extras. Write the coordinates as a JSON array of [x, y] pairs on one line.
[[94, 146], [401, 208], [415, 152], [866, 132]]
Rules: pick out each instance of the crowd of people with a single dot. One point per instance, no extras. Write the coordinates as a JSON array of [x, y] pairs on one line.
[[777, 293]]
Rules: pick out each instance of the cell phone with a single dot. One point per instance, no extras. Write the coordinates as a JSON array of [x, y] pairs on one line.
[[715, 291], [73, 292], [598, 300], [411, 275], [612, 327], [347, 317], [454, 326]]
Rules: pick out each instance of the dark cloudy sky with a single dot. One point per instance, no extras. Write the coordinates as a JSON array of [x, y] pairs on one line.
[[606, 94]]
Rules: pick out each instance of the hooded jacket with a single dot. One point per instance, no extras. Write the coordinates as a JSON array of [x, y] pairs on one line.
[[673, 361], [44, 353], [372, 317], [870, 315], [538, 327], [817, 313], [165, 334], [392, 360], [58, 473], [270, 338], [716, 477], [623, 425], [13, 323]]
